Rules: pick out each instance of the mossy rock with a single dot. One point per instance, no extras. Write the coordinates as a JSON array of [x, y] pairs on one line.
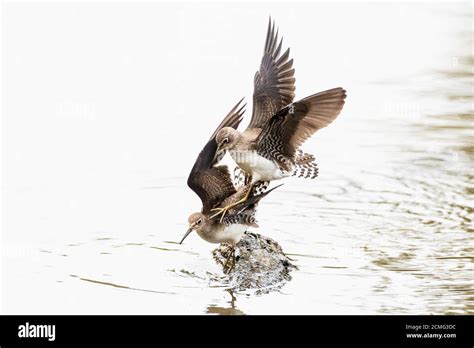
[[260, 264]]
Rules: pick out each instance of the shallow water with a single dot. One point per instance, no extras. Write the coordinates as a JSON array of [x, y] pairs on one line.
[[91, 224]]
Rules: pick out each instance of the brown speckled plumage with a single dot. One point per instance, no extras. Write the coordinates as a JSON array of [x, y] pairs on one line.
[[279, 126], [213, 184]]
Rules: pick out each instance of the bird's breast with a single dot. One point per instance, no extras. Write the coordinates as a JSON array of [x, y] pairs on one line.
[[233, 233], [224, 234], [261, 168]]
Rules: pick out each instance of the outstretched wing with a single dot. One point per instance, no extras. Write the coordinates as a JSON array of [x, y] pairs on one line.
[[274, 83], [213, 184], [233, 118], [292, 125]]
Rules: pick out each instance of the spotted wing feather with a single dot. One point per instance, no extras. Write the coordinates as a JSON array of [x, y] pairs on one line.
[[292, 125], [213, 183]]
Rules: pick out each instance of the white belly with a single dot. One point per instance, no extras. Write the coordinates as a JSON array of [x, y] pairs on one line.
[[223, 234], [259, 167], [233, 233]]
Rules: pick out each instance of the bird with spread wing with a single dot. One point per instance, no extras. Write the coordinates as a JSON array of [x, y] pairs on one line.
[[269, 149], [213, 184]]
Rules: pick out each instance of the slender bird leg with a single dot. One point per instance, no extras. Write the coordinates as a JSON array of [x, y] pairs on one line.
[[232, 253], [224, 210]]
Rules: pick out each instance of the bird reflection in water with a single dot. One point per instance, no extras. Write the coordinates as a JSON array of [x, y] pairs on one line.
[[232, 310]]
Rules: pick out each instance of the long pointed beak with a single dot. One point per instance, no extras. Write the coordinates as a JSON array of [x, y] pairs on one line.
[[187, 233]]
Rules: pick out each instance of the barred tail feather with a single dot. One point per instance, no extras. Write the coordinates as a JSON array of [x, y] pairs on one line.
[[247, 218], [260, 187], [254, 199], [309, 171], [305, 166]]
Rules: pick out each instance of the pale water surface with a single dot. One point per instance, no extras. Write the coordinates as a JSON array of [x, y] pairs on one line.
[[92, 210]]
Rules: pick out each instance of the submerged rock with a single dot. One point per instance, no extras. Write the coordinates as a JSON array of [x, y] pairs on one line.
[[259, 263]]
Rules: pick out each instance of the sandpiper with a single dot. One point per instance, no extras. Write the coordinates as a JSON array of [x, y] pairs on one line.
[[269, 148], [213, 184]]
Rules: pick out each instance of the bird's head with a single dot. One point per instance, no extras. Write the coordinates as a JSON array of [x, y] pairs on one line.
[[226, 139], [196, 222]]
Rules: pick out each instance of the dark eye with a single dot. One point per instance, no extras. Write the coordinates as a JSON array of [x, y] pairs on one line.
[[199, 222], [225, 140]]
